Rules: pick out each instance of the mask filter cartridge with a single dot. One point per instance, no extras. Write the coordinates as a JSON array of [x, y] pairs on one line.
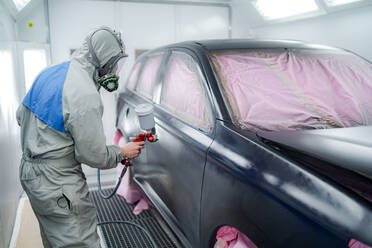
[[109, 82]]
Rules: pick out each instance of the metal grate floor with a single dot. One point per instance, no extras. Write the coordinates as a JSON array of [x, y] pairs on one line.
[[129, 236]]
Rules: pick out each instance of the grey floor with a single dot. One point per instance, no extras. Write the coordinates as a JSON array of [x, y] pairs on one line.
[[125, 235]]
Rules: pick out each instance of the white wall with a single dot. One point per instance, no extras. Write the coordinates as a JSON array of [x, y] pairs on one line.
[[349, 29], [37, 16], [143, 26], [201, 22], [10, 148], [241, 26], [7, 25], [11, 93]]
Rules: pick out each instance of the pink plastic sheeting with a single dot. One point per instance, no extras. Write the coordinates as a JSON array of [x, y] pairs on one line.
[[229, 237], [356, 244], [118, 136], [296, 90], [148, 75], [182, 91], [128, 189], [133, 76]]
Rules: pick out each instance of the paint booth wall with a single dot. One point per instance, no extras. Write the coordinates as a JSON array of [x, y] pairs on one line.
[[241, 20], [7, 25], [143, 26], [10, 150], [13, 74], [349, 29], [37, 16]]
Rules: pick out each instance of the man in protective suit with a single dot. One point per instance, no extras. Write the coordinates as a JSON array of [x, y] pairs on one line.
[[61, 127]]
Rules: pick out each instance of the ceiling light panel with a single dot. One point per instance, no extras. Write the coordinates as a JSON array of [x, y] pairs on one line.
[[276, 9], [339, 2], [20, 4]]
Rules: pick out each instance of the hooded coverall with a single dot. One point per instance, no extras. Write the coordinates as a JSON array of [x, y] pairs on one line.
[[61, 127]]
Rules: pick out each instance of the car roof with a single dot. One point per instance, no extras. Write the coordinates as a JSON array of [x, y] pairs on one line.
[[201, 46], [226, 44]]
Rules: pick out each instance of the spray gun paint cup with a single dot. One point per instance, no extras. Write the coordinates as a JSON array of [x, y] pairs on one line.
[[145, 113]]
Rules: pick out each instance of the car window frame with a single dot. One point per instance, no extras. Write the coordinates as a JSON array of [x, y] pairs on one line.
[[144, 60], [204, 80], [139, 60]]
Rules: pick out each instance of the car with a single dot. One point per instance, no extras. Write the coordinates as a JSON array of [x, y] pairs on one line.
[[270, 137]]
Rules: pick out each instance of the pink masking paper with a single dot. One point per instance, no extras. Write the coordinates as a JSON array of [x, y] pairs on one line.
[[356, 244], [133, 76], [148, 76], [128, 189], [273, 91], [182, 90], [229, 237]]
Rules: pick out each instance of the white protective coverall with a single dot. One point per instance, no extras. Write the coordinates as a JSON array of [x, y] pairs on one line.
[[61, 127]]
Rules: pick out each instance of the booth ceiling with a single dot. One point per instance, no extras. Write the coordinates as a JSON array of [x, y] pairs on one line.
[[266, 12]]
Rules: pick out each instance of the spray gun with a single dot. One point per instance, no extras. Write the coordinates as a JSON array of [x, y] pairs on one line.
[[145, 114]]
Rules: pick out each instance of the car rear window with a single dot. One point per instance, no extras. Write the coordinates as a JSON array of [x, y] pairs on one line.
[[284, 89], [148, 75]]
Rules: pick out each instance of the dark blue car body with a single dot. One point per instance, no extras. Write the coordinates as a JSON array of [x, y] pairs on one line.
[[199, 180]]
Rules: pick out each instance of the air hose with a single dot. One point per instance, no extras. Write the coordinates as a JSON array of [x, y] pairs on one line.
[[126, 164]]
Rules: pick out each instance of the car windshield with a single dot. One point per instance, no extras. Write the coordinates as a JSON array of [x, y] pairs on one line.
[[295, 89]]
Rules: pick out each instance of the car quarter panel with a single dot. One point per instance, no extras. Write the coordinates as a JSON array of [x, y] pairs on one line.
[[274, 201]]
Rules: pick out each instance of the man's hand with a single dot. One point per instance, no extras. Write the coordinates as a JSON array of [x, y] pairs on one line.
[[132, 149]]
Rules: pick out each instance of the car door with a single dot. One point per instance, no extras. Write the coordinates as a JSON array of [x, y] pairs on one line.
[[173, 175]]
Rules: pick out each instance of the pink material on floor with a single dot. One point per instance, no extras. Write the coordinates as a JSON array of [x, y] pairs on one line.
[[356, 244], [128, 188], [295, 90], [230, 237], [143, 204]]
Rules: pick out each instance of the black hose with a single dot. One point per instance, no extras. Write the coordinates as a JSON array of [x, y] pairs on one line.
[[116, 187]]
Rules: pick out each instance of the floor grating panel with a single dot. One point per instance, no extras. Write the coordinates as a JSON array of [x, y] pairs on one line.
[[128, 236]]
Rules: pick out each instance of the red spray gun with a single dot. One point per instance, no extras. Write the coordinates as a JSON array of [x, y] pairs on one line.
[[150, 137], [145, 114]]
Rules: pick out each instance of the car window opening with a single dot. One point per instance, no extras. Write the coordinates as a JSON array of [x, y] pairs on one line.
[[276, 89]]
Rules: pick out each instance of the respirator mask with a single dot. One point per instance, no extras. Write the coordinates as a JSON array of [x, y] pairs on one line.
[[107, 76]]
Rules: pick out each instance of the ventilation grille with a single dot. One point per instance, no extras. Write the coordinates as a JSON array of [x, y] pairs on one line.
[[128, 236]]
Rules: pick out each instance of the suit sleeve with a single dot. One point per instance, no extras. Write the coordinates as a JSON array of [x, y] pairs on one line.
[[86, 128]]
